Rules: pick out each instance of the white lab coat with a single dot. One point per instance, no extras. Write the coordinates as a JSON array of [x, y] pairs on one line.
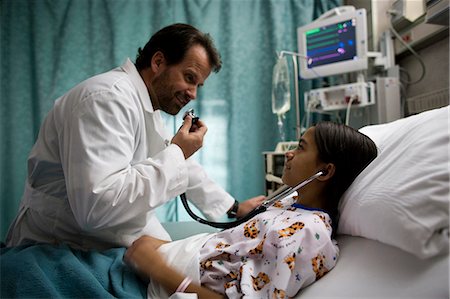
[[101, 164]]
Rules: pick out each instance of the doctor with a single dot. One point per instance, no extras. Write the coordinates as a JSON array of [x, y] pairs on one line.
[[103, 162]]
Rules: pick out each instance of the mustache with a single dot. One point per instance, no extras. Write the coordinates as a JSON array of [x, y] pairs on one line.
[[183, 98]]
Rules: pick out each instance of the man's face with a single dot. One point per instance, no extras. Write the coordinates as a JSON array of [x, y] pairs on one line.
[[176, 85]]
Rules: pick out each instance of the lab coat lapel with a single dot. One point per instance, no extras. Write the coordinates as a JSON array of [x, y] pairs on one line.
[[157, 139], [139, 84], [155, 135]]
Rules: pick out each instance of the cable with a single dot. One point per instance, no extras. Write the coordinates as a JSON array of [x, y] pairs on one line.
[[397, 35], [337, 116], [301, 56], [311, 105], [221, 225], [347, 113], [308, 114], [404, 71]]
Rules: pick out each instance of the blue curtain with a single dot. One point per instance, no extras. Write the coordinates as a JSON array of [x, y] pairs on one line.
[[48, 46]]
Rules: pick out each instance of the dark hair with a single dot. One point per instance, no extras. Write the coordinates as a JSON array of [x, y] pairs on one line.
[[174, 41], [350, 151]]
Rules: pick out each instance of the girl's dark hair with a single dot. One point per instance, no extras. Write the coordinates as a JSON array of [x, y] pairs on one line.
[[174, 41], [350, 151]]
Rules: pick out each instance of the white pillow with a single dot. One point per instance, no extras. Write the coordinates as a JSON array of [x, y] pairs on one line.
[[402, 197]]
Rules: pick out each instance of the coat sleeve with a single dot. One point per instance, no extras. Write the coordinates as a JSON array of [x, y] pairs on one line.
[[105, 188]]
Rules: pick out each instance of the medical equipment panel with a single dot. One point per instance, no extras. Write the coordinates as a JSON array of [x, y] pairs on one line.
[[336, 44], [358, 94], [274, 165], [389, 105], [333, 44]]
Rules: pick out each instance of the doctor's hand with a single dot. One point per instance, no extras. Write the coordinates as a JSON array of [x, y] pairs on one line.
[[190, 137], [247, 206]]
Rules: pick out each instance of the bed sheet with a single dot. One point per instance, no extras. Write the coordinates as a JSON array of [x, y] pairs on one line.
[[370, 269], [365, 269], [58, 271]]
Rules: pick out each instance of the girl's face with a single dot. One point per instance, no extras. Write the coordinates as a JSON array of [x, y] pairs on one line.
[[302, 162]]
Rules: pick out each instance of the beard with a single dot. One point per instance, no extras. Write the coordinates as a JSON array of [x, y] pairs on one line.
[[169, 100]]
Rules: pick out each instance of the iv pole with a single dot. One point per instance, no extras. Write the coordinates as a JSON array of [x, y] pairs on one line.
[[298, 127]]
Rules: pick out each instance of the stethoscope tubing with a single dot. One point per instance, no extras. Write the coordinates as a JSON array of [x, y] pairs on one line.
[[221, 225], [283, 192]]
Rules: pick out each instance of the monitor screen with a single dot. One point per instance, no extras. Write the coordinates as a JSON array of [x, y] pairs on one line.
[[333, 45]]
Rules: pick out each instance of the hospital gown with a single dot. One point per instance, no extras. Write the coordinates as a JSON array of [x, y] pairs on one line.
[[273, 255]]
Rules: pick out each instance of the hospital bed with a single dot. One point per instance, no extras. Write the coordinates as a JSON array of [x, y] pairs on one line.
[[393, 232]]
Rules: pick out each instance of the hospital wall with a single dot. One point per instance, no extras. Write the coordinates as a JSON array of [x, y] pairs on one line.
[[428, 37], [435, 85]]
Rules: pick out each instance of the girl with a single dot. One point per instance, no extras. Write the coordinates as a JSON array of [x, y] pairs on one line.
[[278, 252]]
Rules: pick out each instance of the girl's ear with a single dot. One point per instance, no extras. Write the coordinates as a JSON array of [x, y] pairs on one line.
[[158, 61], [329, 170]]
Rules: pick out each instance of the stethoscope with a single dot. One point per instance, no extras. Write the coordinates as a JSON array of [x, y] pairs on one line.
[[281, 193]]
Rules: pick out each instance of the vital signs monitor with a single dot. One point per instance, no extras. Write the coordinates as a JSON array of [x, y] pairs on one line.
[[333, 44]]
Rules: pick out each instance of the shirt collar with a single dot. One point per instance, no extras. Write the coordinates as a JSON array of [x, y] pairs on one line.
[[129, 68], [299, 206]]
